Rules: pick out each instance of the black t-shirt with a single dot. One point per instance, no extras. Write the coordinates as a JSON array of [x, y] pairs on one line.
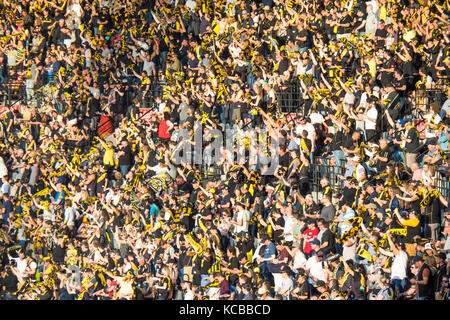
[[433, 211], [328, 237], [304, 289], [58, 253], [190, 120], [283, 66], [106, 17], [302, 34], [292, 32], [233, 264], [386, 77], [225, 200], [348, 195], [277, 234], [192, 63], [357, 21], [127, 157], [382, 33], [350, 144], [345, 20], [10, 283], [164, 293], [413, 146], [357, 288], [185, 188], [338, 140], [384, 153], [284, 160]]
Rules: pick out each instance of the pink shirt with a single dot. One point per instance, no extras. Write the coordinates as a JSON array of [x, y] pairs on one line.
[[417, 175]]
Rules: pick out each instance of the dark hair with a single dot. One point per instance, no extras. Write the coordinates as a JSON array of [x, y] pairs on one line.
[[232, 250], [166, 116]]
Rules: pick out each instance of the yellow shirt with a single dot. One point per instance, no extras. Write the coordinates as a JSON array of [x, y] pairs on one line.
[[372, 63], [108, 157], [411, 222]]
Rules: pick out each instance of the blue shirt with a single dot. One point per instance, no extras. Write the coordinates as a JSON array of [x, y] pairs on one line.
[[8, 206], [443, 141], [269, 251], [58, 196], [154, 210]]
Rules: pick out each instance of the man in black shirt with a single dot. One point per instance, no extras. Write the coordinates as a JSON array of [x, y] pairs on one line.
[[225, 199], [284, 157], [399, 83], [9, 284], [124, 157], [383, 156], [349, 193], [232, 268], [412, 144], [302, 290], [381, 34], [59, 251], [302, 38], [386, 69], [327, 238]]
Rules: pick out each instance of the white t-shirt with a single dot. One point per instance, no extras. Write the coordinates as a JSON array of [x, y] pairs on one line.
[[316, 118], [360, 171], [447, 247], [243, 215], [315, 268], [371, 124], [308, 127], [299, 260], [191, 4], [189, 296], [5, 187], [21, 266], [371, 23], [288, 225], [69, 216], [431, 133], [399, 265]]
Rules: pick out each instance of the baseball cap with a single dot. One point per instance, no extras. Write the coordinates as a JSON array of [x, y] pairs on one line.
[[416, 259], [428, 246], [371, 206], [315, 242]]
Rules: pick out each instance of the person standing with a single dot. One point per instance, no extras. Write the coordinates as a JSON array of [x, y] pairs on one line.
[[164, 128], [411, 144], [268, 256], [422, 280], [7, 208], [124, 157], [399, 264]]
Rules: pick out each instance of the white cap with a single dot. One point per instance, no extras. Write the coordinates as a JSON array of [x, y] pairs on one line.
[[428, 246]]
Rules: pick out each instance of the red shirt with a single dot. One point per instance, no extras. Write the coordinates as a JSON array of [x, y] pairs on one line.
[[310, 234], [224, 290], [163, 130]]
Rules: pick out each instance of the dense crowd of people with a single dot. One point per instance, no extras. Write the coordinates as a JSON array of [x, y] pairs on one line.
[[90, 212]]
